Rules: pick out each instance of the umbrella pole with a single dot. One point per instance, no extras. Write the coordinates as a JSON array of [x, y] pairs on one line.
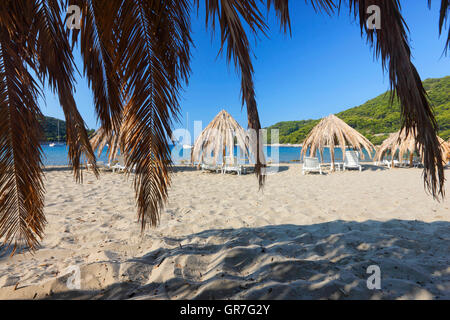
[[332, 159]]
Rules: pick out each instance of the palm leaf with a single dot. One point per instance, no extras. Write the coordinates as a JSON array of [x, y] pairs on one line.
[[443, 16], [98, 39], [38, 41], [21, 187], [154, 70], [232, 33], [54, 64], [391, 44]]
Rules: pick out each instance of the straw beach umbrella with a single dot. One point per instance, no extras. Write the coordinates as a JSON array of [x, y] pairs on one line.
[[447, 150], [445, 145], [334, 133], [113, 141], [219, 136], [404, 145]]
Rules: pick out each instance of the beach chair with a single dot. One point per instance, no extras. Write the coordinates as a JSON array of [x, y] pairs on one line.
[[109, 165], [208, 165], [311, 165], [100, 165], [395, 163], [405, 164], [231, 165], [120, 165], [384, 163], [417, 164], [352, 160]]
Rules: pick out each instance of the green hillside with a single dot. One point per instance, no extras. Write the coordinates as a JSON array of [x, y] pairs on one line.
[[50, 128], [377, 117]]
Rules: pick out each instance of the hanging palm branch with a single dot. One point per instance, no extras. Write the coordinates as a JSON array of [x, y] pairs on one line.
[[390, 43], [32, 37], [136, 57], [443, 16]]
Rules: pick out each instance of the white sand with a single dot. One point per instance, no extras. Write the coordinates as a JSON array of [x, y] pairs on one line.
[[303, 237]]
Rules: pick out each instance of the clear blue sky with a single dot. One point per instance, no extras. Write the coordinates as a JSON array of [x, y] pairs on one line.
[[324, 68]]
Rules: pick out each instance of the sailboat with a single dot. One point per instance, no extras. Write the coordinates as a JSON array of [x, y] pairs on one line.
[[51, 145], [187, 145]]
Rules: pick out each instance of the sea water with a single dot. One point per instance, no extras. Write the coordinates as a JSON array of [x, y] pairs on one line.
[[58, 154]]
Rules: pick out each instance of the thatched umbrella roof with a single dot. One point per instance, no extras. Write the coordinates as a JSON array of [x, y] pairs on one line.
[[334, 133], [405, 145], [112, 141], [446, 147], [218, 136]]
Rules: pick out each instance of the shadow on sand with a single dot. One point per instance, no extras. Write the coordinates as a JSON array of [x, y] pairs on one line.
[[320, 261]]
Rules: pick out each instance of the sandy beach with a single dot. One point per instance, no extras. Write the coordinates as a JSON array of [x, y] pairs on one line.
[[301, 237]]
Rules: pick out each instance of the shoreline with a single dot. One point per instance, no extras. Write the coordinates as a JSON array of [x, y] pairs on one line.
[[369, 163], [283, 145]]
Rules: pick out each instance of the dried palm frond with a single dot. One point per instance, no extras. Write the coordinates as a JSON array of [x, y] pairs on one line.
[[156, 63], [32, 37], [405, 145], [54, 64], [443, 16], [21, 205], [391, 44], [333, 133], [98, 39], [219, 136]]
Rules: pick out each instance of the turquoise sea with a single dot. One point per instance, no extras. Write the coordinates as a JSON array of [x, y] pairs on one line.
[[57, 155]]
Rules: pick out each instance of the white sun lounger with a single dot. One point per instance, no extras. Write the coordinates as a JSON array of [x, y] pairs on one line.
[[208, 165], [100, 165], [311, 165], [384, 163], [120, 165], [231, 165], [352, 160]]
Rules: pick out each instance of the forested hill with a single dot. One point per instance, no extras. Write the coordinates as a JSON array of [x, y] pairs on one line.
[[377, 117], [50, 127]]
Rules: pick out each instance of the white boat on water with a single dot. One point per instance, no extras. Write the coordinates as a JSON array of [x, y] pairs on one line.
[[51, 145]]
